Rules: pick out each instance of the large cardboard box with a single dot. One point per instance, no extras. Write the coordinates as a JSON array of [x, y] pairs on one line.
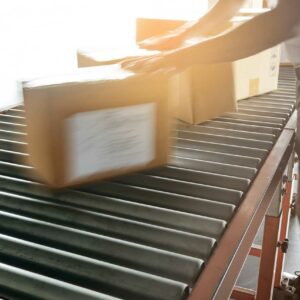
[[147, 27], [207, 91], [257, 74], [197, 94], [204, 92], [254, 4], [89, 57], [96, 123]]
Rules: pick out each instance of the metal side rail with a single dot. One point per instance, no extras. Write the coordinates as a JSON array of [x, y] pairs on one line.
[[171, 233]]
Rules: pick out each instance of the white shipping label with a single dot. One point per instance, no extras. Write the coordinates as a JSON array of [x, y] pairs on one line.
[[110, 139]]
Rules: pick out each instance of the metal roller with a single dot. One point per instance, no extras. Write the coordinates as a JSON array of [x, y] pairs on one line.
[[252, 121], [244, 142], [16, 112], [147, 259], [220, 180], [12, 126], [268, 103], [245, 116], [11, 156], [181, 187], [225, 158], [286, 83], [13, 145], [134, 231], [12, 135], [6, 117], [83, 271], [141, 212], [229, 132], [243, 127], [30, 285], [184, 203], [222, 148], [285, 96], [141, 236], [264, 107], [16, 170], [260, 112], [214, 167]]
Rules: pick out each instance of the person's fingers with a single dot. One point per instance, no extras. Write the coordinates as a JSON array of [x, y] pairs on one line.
[[151, 64], [142, 65], [131, 61]]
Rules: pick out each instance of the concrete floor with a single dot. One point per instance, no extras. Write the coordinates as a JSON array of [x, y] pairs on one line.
[[292, 261], [249, 275]]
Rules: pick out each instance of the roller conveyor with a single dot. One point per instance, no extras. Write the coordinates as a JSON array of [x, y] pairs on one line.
[[150, 235]]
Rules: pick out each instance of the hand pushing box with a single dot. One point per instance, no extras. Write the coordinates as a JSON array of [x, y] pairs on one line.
[[96, 123]]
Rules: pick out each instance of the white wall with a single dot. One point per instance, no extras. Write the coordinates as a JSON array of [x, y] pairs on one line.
[[41, 36]]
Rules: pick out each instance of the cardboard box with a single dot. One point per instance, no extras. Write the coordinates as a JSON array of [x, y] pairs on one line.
[[96, 123], [148, 27], [254, 4], [89, 57], [257, 74], [193, 93], [204, 92], [202, 87]]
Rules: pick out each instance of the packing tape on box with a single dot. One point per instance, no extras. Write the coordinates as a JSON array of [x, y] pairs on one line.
[[254, 87]]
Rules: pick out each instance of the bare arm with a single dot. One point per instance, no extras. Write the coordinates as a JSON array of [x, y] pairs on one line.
[[258, 34], [219, 14]]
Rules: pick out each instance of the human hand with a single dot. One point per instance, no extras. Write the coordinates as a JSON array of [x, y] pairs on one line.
[[161, 63], [169, 62]]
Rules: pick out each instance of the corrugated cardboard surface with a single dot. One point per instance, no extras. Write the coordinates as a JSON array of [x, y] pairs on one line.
[[253, 87], [147, 27], [199, 93], [206, 92], [98, 57], [49, 102], [257, 74]]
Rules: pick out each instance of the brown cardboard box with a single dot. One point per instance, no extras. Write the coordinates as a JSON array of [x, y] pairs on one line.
[[208, 91], [204, 92], [257, 4], [198, 94], [147, 27], [257, 74], [96, 123], [89, 57]]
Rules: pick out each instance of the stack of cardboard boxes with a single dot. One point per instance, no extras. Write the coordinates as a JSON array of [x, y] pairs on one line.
[[207, 91], [103, 121]]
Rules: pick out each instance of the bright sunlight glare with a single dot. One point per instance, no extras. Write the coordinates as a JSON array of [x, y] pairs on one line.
[[41, 36]]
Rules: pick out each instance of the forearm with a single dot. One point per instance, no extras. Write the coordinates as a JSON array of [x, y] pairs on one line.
[[220, 13], [258, 34]]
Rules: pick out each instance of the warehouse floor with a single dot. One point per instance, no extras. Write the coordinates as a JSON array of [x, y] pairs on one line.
[[249, 274], [292, 262]]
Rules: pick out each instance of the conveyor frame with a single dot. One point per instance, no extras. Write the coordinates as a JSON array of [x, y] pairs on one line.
[[161, 199]]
